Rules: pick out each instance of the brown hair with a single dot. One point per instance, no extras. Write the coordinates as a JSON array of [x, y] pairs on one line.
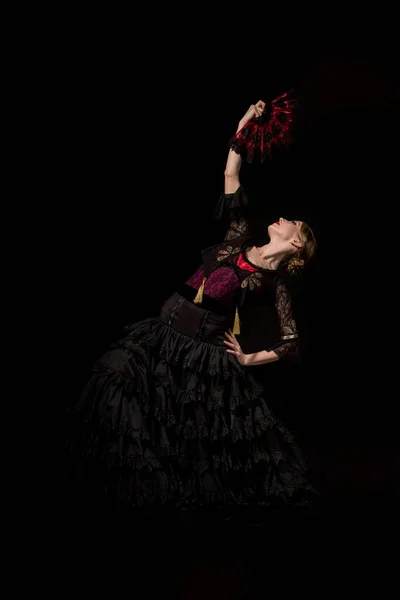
[[308, 248]]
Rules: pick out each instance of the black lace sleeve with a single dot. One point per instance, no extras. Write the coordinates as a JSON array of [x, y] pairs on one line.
[[233, 209], [288, 346]]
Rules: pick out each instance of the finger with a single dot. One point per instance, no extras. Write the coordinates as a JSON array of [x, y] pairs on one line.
[[229, 344], [230, 336], [233, 349]]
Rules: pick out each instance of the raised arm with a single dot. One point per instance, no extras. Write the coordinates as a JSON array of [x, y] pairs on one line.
[[232, 205], [234, 161]]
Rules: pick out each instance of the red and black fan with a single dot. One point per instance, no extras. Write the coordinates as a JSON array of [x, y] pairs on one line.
[[273, 129]]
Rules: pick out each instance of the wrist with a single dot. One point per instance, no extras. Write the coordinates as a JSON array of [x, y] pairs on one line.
[[247, 360]]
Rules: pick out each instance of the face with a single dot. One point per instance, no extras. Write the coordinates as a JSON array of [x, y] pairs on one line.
[[288, 231]]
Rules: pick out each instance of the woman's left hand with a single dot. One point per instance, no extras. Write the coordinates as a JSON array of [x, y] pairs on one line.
[[235, 348]]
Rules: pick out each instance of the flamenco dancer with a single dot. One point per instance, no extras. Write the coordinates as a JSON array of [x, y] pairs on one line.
[[171, 415]]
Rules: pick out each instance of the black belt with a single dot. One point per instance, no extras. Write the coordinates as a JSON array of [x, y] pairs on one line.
[[208, 303]]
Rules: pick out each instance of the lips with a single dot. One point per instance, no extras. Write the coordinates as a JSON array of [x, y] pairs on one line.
[[277, 223]]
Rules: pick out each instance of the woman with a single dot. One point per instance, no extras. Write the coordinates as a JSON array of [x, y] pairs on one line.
[[171, 415]]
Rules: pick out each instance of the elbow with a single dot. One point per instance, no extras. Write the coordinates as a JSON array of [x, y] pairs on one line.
[[231, 174]]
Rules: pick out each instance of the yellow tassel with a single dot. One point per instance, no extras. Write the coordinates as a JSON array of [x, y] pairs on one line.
[[236, 324], [199, 296]]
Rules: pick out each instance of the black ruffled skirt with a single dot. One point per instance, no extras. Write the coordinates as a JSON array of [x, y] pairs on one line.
[[169, 418]]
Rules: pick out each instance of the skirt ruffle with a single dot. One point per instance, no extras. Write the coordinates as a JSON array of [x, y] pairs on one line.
[[168, 419]]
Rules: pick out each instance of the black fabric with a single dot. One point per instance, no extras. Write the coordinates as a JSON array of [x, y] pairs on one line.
[[168, 417]]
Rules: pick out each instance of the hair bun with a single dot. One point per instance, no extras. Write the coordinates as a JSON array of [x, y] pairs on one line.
[[294, 265]]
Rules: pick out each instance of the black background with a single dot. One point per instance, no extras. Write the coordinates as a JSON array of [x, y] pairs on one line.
[[146, 109], [145, 139]]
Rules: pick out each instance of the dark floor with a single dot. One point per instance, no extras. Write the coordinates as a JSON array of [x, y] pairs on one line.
[[352, 541], [349, 542]]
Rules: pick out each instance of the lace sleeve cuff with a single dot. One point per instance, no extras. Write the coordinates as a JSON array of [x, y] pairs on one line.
[[287, 349]]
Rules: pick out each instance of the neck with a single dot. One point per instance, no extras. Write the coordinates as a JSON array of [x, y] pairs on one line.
[[269, 256]]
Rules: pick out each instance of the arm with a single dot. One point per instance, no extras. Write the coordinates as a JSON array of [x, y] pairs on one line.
[[234, 161], [287, 347], [248, 360], [233, 202], [260, 358], [232, 170]]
